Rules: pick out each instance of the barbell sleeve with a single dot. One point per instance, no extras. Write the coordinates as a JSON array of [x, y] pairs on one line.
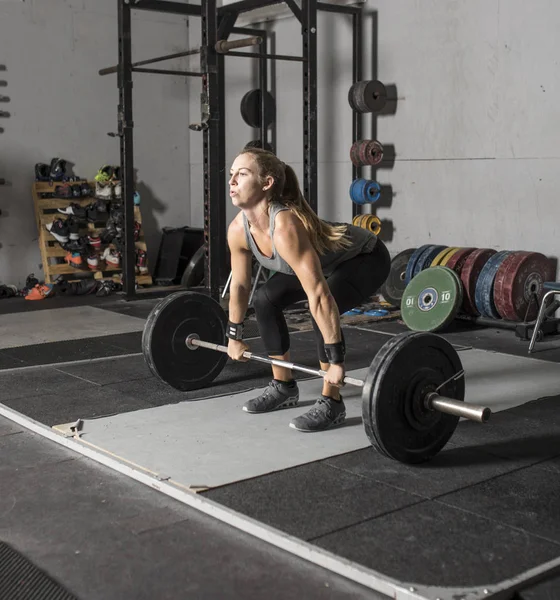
[[224, 46], [450, 406], [193, 341]]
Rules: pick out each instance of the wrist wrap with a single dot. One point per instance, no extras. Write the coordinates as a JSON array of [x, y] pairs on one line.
[[234, 331], [335, 352]]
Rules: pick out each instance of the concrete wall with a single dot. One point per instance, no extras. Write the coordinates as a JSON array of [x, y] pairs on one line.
[[476, 127], [60, 106]]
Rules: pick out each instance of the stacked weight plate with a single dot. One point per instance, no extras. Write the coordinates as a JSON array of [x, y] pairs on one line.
[[441, 281], [369, 222]]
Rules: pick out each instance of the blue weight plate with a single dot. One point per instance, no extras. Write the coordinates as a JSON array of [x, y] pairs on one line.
[[484, 291], [409, 273], [426, 258], [357, 190]]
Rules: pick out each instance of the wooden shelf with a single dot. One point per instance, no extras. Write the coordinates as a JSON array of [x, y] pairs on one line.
[[52, 253]]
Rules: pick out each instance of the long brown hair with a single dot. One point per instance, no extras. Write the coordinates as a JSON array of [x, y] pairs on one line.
[[323, 236]]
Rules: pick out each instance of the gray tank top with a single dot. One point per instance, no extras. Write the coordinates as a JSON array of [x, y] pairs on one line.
[[363, 242]]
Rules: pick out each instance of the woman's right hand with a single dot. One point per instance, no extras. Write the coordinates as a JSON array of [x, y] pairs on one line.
[[236, 348]]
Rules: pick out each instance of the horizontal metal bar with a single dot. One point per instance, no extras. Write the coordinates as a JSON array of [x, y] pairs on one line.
[[338, 8], [193, 342], [248, 31], [272, 56], [168, 72], [189, 10], [151, 61], [247, 5]]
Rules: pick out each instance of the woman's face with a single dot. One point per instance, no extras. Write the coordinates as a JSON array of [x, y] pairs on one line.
[[245, 190]]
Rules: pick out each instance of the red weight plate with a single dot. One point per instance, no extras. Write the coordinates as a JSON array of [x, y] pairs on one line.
[[469, 276], [374, 152], [458, 259], [363, 151], [519, 278], [354, 154]]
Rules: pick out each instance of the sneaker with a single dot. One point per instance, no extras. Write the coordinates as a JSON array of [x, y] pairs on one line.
[[40, 292], [277, 395], [117, 190], [104, 174], [59, 230], [57, 169], [73, 228], [103, 190], [93, 262], [324, 414], [63, 191], [73, 209], [141, 262], [74, 259]]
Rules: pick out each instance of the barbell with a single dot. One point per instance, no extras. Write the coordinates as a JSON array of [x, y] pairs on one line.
[[412, 395]]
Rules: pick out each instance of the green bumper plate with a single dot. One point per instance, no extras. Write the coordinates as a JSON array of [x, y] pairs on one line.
[[431, 299]]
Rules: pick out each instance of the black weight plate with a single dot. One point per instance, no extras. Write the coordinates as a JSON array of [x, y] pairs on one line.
[[165, 333], [194, 271], [251, 108], [396, 420], [393, 288]]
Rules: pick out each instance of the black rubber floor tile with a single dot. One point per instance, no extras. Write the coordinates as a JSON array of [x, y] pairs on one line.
[[9, 362], [54, 352], [34, 384], [511, 435], [310, 500], [131, 342], [547, 589], [437, 545], [526, 499], [546, 409], [84, 402], [452, 469], [139, 308], [123, 369], [550, 465]]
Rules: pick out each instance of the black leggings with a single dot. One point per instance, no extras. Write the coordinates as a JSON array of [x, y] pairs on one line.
[[351, 284]]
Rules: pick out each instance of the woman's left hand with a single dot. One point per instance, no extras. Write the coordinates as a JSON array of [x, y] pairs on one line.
[[335, 375]]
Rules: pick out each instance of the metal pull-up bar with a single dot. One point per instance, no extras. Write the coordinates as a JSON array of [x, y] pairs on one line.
[[222, 46]]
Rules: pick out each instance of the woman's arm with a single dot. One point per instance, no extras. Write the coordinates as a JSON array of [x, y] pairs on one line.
[[292, 243], [240, 284]]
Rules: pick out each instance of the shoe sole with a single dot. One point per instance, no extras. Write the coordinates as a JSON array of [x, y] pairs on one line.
[[336, 423], [287, 404]]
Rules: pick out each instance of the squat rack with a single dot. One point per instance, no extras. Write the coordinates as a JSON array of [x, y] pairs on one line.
[[217, 24]]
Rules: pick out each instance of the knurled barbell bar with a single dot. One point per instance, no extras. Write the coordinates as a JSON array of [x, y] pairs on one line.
[[412, 395]]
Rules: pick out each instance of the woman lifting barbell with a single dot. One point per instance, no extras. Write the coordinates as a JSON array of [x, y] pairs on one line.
[[337, 266]]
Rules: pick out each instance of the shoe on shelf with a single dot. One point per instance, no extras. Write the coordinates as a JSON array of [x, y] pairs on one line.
[[324, 414], [73, 209], [63, 191], [117, 190], [278, 394], [142, 262], [93, 262], [111, 257], [59, 230], [104, 174], [57, 169], [103, 190], [74, 259]]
